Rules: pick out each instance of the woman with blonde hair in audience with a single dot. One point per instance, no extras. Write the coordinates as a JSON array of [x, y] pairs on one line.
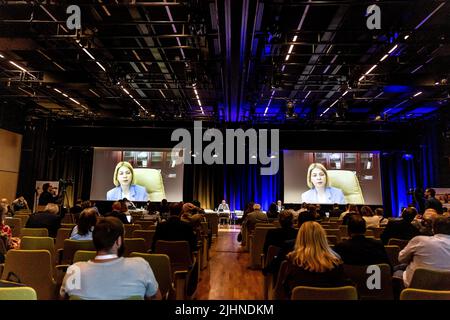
[[313, 262]]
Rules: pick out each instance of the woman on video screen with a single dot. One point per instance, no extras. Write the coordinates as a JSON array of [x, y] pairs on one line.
[[320, 190], [123, 179]]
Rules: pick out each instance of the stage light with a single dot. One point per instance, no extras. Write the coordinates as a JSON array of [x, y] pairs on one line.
[[407, 156]]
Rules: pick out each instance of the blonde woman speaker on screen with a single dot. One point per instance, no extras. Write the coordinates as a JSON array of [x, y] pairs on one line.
[[123, 179], [320, 189]]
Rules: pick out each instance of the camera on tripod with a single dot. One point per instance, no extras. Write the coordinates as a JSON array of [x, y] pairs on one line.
[[64, 183]]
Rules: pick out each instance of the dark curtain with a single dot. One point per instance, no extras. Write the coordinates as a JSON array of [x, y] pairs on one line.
[[41, 160]]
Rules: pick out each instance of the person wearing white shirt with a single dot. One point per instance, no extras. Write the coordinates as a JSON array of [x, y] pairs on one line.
[[428, 252]]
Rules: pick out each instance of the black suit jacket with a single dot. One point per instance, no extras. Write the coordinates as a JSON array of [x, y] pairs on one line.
[[175, 230], [46, 198], [46, 220], [360, 250], [399, 229], [277, 237], [433, 203]]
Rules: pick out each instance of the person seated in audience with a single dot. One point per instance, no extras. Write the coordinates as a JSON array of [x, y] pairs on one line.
[[272, 213], [174, 229], [424, 222], [117, 212], [288, 245], [20, 204], [401, 229], [76, 209], [359, 250], [49, 219], [431, 202], [83, 230], [380, 213], [5, 230], [257, 216], [372, 221], [430, 252], [9, 210], [312, 262], [163, 209], [192, 215], [277, 237], [350, 208], [336, 211], [109, 276]]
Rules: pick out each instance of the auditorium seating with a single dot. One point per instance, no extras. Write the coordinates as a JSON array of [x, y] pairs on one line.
[[61, 235], [392, 253], [15, 224], [257, 243], [33, 268], [422, 294], [134, 245], [314, 293], [398, 242], [269, 279], [18, 293], [430, 279], [147, 235], [70, 247], [129, 228], [360, 276], [39, 243], [34, 232]]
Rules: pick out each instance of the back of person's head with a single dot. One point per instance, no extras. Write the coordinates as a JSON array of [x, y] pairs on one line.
[[45, 186], [311, 251], [335, 206], [196, 203], [409, 213], [304, 205], [249, 207], [116, 206], [273, 207], [256, 206], [366, 211], [305, 216], [379, 212], [352, 207], [87, 220], [189, 208], [51, 208], [175, 209], [429, 214], [106, 232], [432, 192], [164, 202], [441, 225], [123, 206], [356, 224], [285, 218], [86, 204]]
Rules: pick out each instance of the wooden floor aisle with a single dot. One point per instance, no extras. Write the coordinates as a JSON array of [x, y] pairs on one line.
[[228, 276]]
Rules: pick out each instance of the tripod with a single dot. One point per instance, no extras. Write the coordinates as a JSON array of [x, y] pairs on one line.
[[65, 198]]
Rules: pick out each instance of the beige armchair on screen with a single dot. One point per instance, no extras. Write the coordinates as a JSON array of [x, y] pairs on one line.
[[152, 180], [347, 181]]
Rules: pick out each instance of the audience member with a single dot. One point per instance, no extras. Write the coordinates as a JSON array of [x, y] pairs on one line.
[[424, 223], [20, 204], [272, 213], [163, 208], [174, 229], [85, 226], [257, 216], [431, 202], [277, 237], [49, 219], [428, 252], [350, 208], [401, 229], [380, 213], [9, 210], [372, 221], [336, 211], [313, 263], [359, 250], [109, 276], [117, 211]]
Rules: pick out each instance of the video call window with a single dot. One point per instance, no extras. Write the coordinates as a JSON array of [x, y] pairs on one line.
[[332, 177]]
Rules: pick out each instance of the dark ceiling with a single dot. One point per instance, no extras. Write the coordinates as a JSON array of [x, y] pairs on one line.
[[252, 61]]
